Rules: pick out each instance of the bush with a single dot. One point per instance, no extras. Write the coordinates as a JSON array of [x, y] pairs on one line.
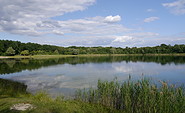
[[25, 53]]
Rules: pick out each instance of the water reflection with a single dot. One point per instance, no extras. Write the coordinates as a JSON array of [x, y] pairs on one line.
[[64, 75], [17, 65]]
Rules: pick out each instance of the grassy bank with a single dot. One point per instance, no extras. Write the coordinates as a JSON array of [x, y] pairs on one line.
[[12, 93], [45, 104], [109, 97], [87, 55]]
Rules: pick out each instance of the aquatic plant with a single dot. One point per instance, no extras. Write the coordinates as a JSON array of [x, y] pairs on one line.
[[141, 96]]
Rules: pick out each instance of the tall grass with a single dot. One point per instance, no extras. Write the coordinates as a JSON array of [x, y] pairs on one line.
[[136, 97], [12, 93], [141, 96]]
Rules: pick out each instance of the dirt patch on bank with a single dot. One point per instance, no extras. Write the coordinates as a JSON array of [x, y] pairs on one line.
[[22, 107], [3, 57]]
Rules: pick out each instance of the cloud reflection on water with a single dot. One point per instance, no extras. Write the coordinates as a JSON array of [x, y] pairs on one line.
[[65, 78]]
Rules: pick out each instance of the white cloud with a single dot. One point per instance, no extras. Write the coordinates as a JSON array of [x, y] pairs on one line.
[[122, 38], [90, 26], [112, 19], [133, 39], [23, 16], [150, 19], [33, 18], [128, 39], [177, 7], [58, 32], [143, 34]]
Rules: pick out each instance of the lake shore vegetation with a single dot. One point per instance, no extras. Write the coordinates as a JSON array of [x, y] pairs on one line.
[[13, 93], [140, 96]]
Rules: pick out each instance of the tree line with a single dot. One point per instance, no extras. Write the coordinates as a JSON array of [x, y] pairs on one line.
[[8, 47]]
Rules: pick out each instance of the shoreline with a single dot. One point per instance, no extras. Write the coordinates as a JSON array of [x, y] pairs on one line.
[[87, 55], [15, 98]]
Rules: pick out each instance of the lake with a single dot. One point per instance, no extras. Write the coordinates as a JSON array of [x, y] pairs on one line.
[[65, 75]]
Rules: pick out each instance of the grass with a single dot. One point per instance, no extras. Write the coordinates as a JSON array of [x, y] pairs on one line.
[[12, 93], [87, 55], [46, 104], [136, 97], [141, 96]]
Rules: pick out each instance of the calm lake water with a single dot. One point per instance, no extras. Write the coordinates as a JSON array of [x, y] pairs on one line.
[[65, 75]]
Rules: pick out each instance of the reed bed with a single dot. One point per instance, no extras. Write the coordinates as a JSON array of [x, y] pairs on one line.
[[141, 96]]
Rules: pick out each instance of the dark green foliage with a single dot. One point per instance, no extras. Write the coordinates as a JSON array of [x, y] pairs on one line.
[[11, 88], [31, 47], [136, 97], [37, 49]]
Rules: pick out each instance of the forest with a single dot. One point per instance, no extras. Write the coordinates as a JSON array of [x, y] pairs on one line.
[[11, 48]]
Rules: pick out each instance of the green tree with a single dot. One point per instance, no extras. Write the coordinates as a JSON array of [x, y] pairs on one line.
[[112, 50], [56, 52], [143, 51], [25, 52], [74, 51], [10, 51]]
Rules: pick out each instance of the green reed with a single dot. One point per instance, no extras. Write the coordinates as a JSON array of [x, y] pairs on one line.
[[141, 96]]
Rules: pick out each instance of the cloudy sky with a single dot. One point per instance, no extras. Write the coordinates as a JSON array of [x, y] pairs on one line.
[[117, 23]]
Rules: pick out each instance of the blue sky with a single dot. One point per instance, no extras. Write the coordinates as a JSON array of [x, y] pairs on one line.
[[117, 23]]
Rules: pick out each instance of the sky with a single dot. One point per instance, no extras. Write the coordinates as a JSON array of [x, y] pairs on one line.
[[116, 23]]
